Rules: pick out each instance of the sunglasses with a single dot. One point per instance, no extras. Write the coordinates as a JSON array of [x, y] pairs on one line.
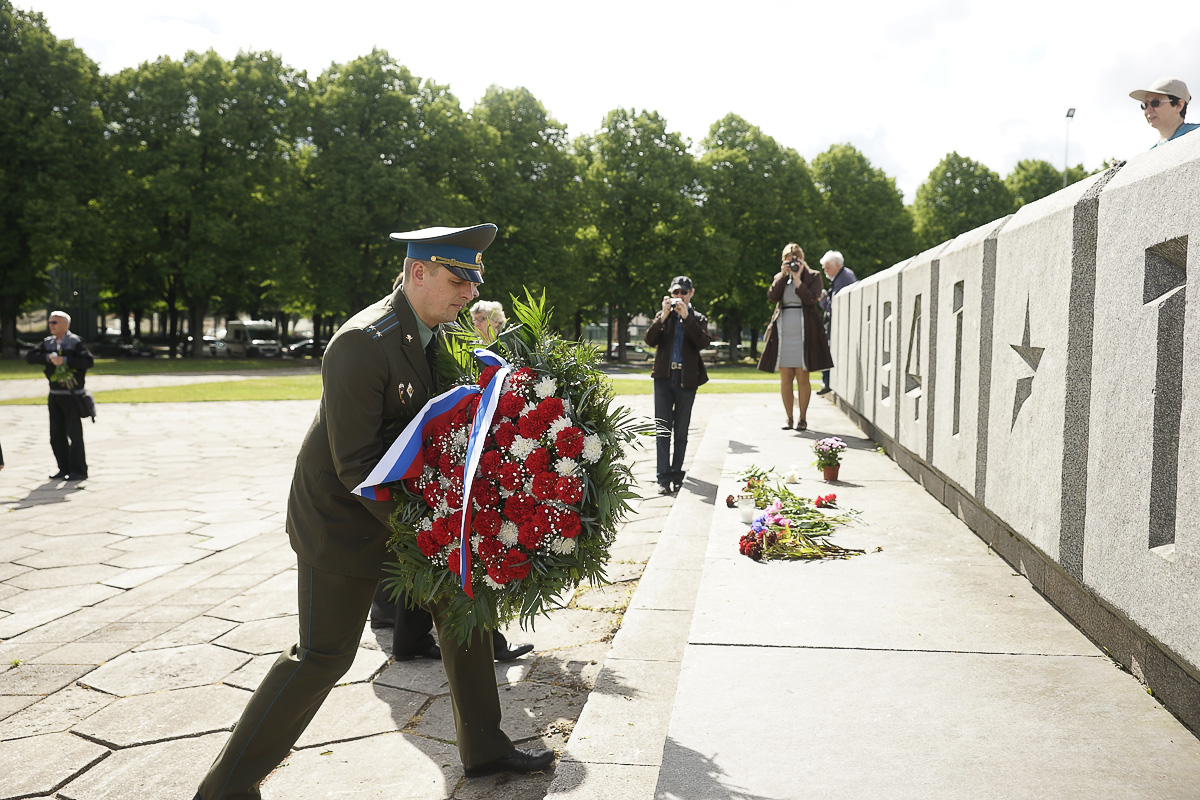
[[1155, 103]]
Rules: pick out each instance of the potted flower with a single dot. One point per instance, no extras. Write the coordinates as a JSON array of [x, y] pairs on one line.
[[829, 456]]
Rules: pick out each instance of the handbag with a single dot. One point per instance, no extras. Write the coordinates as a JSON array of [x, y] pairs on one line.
[[87, 404]]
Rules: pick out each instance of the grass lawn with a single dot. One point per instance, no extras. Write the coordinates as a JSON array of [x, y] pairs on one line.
[[12, 369], [308, 387]]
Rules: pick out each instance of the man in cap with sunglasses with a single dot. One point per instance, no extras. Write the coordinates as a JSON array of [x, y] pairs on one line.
[[679, 332], [1165, 105], [376, 375]]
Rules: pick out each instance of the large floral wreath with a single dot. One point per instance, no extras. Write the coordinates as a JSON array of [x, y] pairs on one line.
[[548, 486]]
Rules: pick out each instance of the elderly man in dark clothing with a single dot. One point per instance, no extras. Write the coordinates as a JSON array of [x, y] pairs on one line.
[[67, 361], [840, 276], [680, 333]]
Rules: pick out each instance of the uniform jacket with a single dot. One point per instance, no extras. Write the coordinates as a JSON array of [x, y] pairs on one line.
[[77, 356], [661, 334], [816, 346], [374, 378]]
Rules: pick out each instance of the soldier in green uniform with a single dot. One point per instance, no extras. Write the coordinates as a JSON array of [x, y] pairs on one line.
[[375, 376]]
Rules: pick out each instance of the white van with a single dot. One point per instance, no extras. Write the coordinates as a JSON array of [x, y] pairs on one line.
[[255, 338]]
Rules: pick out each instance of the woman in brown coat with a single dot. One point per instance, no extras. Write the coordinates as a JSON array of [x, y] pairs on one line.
[[795, 343]]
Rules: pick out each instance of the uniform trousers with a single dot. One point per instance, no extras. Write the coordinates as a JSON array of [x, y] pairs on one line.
[[66, 434], [333, 610]]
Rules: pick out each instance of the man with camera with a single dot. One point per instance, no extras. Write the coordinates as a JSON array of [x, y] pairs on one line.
[[66, 360], [680, 333]]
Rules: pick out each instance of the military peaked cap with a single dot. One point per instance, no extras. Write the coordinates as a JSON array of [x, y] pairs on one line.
[[459, 250]]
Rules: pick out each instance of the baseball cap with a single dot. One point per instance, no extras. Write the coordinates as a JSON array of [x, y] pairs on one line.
[[1171, 86], [683, 283]]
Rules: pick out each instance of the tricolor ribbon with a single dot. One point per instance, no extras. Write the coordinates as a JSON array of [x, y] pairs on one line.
[[404, 459]]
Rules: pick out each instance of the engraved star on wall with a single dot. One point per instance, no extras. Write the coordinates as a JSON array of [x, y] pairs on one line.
[[1032, 356]]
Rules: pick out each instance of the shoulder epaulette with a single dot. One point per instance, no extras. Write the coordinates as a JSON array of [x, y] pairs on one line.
[[384, 324]]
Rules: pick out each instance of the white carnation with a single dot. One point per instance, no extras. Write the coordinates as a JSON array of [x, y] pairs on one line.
[[566, 466], [426, 524], [529, 407], [508, 533], [522, 447], [487, 580], [476, 540], [592, 448], [545, 387], [560, 424], [562, 545]]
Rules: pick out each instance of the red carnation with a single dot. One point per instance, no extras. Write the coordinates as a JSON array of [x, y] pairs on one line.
[[569, 489], [489, 463], [568, 524], [516, 564], [427, 543], [455, 566], [551, 409], [538, 461], [486, 376], [569, 442], [544, 485], [524, 375], [454, 524], [497, 573], [519, 507], [529, 536], [433, 495], [510, 405], [533, 425], [491, 550], [506, 432], [511, 476], [445, 464], [487, 522], [441, 532], [485, 495], [453, 499]]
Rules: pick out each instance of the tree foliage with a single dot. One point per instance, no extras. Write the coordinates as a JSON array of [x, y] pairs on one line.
[[758, 196], [959, 195], [50, 137], [862, 210]]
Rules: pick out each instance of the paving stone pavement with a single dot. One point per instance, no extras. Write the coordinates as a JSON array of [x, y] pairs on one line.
[[139, 608]]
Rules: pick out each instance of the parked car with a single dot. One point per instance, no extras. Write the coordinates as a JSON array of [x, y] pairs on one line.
[[305, 348], [632, 353], [110, 345], [212, 346], [252, 339], [716, 351]]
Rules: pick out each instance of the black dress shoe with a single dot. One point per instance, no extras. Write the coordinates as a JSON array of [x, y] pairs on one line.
[[58, 476], [516, 761], [511, 652], [77, 476], [824, 390], [676, 486], [432, 651], [664, 488]]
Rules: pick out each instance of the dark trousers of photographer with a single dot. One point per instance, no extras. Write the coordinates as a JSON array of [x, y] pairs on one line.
[[66, 434], [673, 415]]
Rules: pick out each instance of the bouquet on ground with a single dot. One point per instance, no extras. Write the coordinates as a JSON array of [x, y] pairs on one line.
[[790, 526], [517, 481]]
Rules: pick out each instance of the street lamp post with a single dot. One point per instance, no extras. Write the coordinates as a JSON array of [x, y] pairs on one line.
[[1067, 147]]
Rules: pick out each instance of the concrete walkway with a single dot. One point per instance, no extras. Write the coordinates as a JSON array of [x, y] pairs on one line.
[[137, 610]]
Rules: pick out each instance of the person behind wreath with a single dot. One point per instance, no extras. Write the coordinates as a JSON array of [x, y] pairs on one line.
[[66, 390], [679, 332], [376, 375]]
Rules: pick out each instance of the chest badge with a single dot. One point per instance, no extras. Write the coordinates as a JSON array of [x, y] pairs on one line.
[[408, 338]]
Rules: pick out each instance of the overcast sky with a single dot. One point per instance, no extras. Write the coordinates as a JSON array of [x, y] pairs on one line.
[[905, 83]]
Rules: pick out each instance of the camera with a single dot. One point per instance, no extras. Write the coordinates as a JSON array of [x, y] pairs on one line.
[[793, 264], [675, 301]]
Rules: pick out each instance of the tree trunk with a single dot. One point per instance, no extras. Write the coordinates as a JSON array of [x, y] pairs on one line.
[[754, 343], [608, 344], [196, 314], [8, 335]]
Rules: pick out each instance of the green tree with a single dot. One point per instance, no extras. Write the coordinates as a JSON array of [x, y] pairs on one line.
[[528, 184], [205, 150], [388, 154], [758, 196], [959, 195], [862, 210], [642, 224], [1033, 179], [50, 135]]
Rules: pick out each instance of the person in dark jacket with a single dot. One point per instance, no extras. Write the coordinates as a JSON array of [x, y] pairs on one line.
[[840, 276], [67, 360], [679, 332], [795, 343]]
